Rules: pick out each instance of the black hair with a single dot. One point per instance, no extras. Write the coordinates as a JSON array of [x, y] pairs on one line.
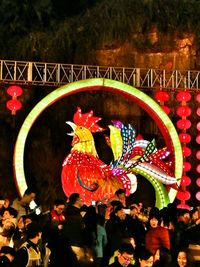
[[120, 191], [182, 212], [59, 201], [126, 248], [144, 254], [73, 198], [118, 208], [116, 203], [29, 191], [32, 230], [12, 211]]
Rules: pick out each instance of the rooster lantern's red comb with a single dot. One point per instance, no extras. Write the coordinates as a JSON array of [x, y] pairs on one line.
[[87, 120]]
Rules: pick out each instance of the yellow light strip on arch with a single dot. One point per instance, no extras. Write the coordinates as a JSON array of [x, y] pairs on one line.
[[95, 84]]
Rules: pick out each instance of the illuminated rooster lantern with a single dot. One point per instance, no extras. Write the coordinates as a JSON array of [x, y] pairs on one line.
[[85, 173]]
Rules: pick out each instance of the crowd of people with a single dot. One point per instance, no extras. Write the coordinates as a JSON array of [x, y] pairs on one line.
[[101, 235]]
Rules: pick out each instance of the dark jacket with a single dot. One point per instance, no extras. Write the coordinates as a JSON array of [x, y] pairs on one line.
[[116, 230], [73, 227]]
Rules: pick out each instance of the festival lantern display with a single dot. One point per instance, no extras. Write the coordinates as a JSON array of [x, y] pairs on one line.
[[198, 142], [14, 104], [183, 124]]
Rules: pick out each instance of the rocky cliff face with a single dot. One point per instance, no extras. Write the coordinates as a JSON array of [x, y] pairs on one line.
[[158, 49]]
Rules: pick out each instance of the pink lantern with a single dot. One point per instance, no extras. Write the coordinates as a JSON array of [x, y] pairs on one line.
[[184, 137], [13, 105], [183, 206], [166, 109], [183, 111], [14, 90], [183, 124], [198, 154], [186, 151], [198, 182], [183, 96], [183, 195], [198, 126], [198, 168], [186, 166], [198, 196], [198, 97], [162, 96], [198, 139], [185, 180], [198, 111]]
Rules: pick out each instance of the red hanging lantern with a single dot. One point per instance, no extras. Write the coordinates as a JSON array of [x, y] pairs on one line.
[[198, 196], [14, 90], [198, 97], [198, 154], [162, 96], [198, 139], [184, 137], [185, 180], [198, 111], [198, 126], [186, 151], [14, 105], [183, 111], [183, 96], [198, 168], [183, 206], [166, 109], [183, 195], [183, 124], [198, 182], [186, 166]]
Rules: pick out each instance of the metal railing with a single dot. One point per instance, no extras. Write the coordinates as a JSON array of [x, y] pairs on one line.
[[56, 74]]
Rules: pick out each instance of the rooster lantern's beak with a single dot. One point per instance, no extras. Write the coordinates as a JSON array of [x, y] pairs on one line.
[[73, 126]]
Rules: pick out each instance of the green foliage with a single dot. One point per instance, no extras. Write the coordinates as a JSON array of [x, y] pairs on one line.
[[71, 31]]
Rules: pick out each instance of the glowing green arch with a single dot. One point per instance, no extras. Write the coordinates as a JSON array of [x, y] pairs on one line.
[[164, 123]]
